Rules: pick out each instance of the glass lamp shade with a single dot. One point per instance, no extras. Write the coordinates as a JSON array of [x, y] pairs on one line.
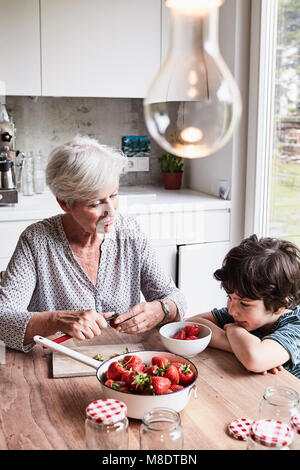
[[193, 104]]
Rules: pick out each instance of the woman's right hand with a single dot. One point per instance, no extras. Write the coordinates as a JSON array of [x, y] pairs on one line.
[[81, 324]]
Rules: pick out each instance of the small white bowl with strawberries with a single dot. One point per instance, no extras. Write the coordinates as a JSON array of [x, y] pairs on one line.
[[148, 379], [185, 338]]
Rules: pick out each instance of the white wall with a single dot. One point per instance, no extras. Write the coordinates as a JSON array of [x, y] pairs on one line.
[[230, 162]]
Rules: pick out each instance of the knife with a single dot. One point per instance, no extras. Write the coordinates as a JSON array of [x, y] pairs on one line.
[[63, 338]]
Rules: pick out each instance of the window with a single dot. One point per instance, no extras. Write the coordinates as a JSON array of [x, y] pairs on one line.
[[284, 207], [273, 174]]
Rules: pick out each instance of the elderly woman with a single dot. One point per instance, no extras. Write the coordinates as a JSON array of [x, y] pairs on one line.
[[71, 272]]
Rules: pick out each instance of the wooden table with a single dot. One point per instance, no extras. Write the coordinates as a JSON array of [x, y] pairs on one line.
[[40, 412]]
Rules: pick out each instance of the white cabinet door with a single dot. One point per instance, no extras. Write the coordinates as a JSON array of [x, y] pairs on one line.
[[197, 264], [100, 47], [167, 256], [20, 47]]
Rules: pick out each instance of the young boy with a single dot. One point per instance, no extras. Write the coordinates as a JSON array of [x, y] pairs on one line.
[[261, 323]]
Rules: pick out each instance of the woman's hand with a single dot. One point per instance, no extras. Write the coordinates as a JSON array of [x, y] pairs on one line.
[[140, 318], [81, 324]]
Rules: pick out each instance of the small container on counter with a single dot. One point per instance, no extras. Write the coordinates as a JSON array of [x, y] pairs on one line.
[[161, 430], [27, 176], [106, 425], [38, 174]]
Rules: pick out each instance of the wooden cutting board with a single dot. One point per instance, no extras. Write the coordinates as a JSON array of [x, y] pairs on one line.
[[64, 366]]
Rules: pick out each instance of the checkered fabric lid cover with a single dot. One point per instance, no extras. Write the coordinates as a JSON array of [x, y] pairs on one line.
[[106, 411], [239, 428], [271, 433], [295, 420]]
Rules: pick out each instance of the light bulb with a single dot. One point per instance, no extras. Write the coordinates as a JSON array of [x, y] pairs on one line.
[[193, 104]]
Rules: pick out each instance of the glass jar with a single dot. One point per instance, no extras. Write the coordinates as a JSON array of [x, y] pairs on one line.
[[38, 174], [27, 176], [270, 434], [106, 425], [161, 429], [276, 408], [279, 403]]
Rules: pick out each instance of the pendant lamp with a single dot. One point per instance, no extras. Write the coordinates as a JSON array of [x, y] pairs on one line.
[[193, 104]]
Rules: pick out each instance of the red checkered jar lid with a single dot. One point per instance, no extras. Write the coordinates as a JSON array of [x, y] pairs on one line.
[[239, 428], [271, 433], [106, 411], [295, 420]]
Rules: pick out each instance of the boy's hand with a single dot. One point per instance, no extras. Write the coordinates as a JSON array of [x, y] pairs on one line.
[[274, 370]]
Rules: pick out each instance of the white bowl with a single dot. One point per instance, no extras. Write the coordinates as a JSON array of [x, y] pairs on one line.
[[138, 405], [183, 347]]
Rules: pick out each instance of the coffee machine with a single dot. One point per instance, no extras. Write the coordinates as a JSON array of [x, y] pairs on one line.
[[10, 159]]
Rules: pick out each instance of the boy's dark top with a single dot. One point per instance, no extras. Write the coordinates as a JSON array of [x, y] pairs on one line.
[[286, 331]]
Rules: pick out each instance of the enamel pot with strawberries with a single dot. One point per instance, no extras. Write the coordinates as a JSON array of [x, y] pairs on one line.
[[141, 379], [173, 381]]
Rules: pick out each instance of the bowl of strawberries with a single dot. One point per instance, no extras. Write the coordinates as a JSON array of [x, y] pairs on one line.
[[185, 338], [148, 379]]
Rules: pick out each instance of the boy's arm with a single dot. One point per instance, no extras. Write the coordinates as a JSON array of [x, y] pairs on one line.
[[255, 355], [218, 338]]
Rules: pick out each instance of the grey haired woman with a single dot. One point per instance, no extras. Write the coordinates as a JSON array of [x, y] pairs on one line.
[[71, 272]]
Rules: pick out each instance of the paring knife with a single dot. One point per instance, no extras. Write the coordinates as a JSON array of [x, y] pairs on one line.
[[63, 338]]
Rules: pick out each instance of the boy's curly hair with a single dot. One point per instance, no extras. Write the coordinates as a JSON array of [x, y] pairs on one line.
[[265, 269]]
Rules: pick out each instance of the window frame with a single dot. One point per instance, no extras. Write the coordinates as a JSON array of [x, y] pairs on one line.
[[261, 113]]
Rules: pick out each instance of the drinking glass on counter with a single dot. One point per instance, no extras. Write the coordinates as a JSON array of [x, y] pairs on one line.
[[161, 429]]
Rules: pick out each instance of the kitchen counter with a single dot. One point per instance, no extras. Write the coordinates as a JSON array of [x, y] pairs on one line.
[[40, 412], [133, 200]]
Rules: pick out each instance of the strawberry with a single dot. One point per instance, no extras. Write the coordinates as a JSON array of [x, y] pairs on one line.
[[191, 337], [112, 320], [159, 361], [138, 381], [115, 370], [117, 385], [132, 357], [160, 385], [152, 370], [176, 387], [125, 375], [177, 364], [172, 374], [186, 375], [133, 362], [192, 330], [181, 334]]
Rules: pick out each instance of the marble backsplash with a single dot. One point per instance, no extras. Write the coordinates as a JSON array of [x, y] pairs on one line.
[[42, 123]]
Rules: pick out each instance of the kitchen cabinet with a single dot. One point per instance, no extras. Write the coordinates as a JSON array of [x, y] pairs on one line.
[[20, 47], [100, 48], [191, 244], [197, 264], [74, 48]]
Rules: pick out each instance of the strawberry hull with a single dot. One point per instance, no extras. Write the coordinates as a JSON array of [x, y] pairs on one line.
[[138, 404]]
